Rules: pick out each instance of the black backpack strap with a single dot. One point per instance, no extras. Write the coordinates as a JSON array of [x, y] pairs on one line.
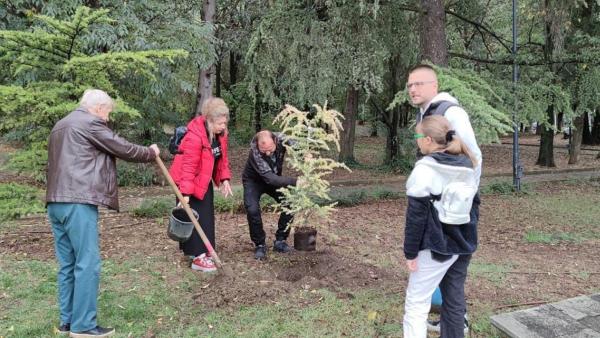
[[436, 108]]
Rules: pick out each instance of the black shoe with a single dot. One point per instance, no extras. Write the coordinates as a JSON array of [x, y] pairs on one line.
[[64, 329], [281, 246], [98, 331], [260, 252]]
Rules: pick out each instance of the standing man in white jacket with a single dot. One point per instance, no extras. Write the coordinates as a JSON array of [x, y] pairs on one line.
[[423, 90]]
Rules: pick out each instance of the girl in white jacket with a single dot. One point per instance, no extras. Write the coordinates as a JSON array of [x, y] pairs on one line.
[[441, 227]]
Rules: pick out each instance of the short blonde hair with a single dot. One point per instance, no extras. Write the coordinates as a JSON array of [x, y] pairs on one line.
[[214, 108]]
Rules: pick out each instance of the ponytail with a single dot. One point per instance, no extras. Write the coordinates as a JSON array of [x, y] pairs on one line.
[[438, 128], [456, 146]]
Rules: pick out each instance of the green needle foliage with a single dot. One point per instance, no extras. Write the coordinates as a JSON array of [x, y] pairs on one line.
[[54, 69], [310, 135]]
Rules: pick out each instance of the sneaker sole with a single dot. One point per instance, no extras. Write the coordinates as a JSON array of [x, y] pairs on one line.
[[85, 335], [432, 328], [199, 268]]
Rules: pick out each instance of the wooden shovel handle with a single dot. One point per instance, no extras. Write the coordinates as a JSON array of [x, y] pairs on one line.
[[188, 211]]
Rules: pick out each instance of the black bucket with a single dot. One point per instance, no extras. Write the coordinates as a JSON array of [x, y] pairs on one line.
[[305, 239], [180, 226]]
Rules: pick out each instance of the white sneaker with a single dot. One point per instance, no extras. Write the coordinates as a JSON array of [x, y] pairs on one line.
[[434, 326], [203, 263]]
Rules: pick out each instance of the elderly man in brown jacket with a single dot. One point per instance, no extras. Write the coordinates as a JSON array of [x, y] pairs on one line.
[[82, 175]]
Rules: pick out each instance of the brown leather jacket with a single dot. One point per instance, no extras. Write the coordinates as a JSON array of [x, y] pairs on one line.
[[81, 160]]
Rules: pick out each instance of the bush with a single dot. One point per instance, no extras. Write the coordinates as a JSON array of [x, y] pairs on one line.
[[503, 188], [154, 207], [235, 203], [19, 200], [135, 174], [30, 162], [352, 199]]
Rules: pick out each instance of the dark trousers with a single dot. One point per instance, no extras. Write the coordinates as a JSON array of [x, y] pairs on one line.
[[252, 193], [454, 305], [206, 212]]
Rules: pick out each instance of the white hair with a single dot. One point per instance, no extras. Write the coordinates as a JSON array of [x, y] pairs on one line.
[[93, 98]]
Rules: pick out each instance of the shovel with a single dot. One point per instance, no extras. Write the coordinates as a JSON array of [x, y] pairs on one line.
[[188, 210]]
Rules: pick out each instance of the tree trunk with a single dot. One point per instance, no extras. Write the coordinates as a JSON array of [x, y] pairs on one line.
[[596, 130], [546, 154], [257, 112], [349, 124], [233, 68], [576, 136], [433, 32], [205, 85], [373, 128], [218, 79], [587, 135], [392, 144]]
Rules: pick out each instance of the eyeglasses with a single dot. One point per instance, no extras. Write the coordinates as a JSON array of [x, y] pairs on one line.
[[418, 136], [417, 84]]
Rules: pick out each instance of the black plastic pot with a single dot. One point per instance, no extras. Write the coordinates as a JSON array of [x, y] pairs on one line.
[[305, 239]]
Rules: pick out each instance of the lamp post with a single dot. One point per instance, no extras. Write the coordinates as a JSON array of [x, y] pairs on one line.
[[517, 169]]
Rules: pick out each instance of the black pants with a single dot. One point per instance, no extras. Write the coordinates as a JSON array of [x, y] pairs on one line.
[[206, 212], [252, 193], [453, 298]]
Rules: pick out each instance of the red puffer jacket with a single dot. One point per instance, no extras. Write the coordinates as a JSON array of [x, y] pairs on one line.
[[192, 169]]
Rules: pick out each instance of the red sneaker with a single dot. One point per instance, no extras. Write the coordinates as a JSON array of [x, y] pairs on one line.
[[203, 263]]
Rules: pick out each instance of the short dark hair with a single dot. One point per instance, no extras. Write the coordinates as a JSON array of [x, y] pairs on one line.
[[421, 66]]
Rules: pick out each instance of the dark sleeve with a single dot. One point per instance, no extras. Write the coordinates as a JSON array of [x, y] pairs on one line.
[[417, 215], [262, 168], [109, 142]]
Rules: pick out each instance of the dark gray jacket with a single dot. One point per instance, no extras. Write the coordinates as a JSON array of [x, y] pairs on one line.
[[264, 169], [81, 160]]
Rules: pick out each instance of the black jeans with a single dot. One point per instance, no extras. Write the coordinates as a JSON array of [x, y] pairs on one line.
[[252, 193], [206, 212], [454, 305]]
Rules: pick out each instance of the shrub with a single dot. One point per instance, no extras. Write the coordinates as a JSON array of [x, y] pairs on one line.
[[235, 203], [503, 188], [154, 207], [135, 174], [30, 162], [352, 199], [19, 200]]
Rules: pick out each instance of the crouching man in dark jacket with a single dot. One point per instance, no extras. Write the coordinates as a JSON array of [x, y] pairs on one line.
[[262, 175]]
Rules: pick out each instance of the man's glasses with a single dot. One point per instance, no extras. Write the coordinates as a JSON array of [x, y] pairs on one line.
[[418, 136], [417, 84]]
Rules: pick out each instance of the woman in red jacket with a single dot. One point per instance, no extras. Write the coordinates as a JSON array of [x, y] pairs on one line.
[[202, 159]]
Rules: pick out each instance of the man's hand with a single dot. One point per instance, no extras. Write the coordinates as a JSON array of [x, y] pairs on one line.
[[154, 147], [300, 181], [226, 188], [411, 265]]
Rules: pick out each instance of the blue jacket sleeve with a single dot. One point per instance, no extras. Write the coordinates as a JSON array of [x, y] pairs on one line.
[[417, 215]]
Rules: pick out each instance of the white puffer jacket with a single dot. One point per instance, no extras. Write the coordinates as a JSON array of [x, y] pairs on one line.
[[451, 187]]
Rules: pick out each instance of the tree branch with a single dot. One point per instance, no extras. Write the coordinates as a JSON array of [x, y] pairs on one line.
[[521, 63], [500, 39], [385, 117]]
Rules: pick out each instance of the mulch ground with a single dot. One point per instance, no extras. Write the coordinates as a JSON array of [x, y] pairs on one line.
[[361, 249]]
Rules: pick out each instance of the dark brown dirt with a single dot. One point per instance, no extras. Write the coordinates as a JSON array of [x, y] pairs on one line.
[[361, 249]]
